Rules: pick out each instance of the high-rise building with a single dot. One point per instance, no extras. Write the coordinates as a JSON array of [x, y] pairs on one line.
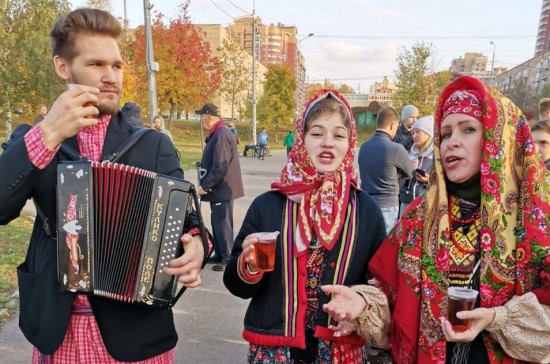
[[543, 35], [275, 44], [215, 35], [471, 64]]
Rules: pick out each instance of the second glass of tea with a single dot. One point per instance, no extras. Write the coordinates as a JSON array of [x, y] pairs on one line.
[[264, 250]]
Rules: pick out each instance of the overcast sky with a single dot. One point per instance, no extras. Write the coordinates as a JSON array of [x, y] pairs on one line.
[[356, 41]]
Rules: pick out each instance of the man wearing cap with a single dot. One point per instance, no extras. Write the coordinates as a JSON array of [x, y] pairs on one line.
[[222, 181], [409, 114]]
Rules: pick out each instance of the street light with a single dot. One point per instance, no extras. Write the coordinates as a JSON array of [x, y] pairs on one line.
[[301, 80], [285, 48], [493, 64]]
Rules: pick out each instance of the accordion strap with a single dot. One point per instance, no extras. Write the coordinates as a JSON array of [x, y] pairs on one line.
[[115, 156], [128, 144], [75, 156]]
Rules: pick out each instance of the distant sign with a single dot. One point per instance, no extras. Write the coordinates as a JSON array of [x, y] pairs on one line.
[[384, 90], [380, 97]]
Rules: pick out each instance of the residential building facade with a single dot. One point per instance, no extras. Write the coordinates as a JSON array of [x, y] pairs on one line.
[[215, 35]]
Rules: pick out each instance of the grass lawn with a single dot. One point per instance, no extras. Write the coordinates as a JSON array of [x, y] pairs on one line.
[[13, 245]]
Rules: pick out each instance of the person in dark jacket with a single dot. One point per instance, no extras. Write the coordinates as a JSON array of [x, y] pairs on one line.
[[222, 182], [70, 327], [409, 114], [381, 164], [329, 231], [133, 114]]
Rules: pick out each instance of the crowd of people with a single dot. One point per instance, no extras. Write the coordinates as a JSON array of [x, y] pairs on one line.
[[364, 258]]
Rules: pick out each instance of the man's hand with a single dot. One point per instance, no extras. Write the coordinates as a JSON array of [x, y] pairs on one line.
[[188, 266], [481, 318], [201, 191], [67, 115]]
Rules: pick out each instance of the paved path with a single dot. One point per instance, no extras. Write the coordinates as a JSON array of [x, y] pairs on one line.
[[209, 319]]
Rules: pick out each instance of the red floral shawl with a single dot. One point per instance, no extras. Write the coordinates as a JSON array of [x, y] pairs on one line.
[[324, 197], [412, 262]]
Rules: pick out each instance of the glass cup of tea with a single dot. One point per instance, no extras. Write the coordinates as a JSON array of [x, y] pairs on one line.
[[264, 251], [460, 299], [73, 86]]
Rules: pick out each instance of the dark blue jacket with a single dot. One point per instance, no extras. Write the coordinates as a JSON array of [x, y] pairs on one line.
[[220, 158], [381, 164]]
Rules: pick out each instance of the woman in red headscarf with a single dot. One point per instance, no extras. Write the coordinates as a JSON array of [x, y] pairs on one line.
[[484, 221], [329, 231]]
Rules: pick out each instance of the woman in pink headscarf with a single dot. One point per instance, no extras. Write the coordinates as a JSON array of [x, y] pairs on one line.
[[484, 221], [329, 231]]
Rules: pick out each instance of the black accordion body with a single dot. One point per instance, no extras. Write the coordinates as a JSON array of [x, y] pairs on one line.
[[117, 228]]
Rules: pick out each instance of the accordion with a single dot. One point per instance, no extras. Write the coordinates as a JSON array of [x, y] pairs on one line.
[[117, 228]]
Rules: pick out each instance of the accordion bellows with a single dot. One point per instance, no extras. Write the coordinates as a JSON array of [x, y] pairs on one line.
[[117, 228]]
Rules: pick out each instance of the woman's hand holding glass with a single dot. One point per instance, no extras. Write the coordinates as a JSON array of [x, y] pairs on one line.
[[248, 252], [481, 318]]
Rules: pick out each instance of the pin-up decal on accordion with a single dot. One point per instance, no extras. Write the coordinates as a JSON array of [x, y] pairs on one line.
[[117, 228]]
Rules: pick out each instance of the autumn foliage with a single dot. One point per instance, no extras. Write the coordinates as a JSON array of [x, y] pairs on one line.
[[188, 75]]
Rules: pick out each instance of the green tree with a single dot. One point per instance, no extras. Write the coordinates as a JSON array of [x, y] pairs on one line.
[[27, 78], [345, 89], [328, 84], [99, 4], [522, 95], [415, 85], [188, 74], [545, 92], [276, 105], [235, 75]]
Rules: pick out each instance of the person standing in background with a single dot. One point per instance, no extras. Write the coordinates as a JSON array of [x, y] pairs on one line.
[[544, 108], [409, 114], [158, 125], [422, 156], [541, 135], [263, 139], [222, 183], [289, 142], [42, 112], [381, 164], [132, 112], [234, 132]]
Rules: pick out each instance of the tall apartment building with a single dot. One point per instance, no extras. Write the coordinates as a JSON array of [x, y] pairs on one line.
[[215, 34], [543, 34], [473, 64], [275, 44]]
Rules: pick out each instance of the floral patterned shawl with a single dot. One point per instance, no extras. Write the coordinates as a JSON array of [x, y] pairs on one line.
[[412, 264], [324, 197]]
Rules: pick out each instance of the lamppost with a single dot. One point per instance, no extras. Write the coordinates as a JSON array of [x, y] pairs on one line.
[[152, 66], [253, 131], [301, 77], [493, 64]]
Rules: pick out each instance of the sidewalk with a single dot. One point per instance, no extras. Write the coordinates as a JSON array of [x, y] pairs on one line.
[[209, 320]]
